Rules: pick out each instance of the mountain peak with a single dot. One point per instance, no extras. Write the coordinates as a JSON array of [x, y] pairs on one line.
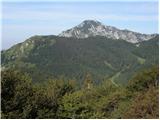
[[87, 24], [89, 28], [93, 22]]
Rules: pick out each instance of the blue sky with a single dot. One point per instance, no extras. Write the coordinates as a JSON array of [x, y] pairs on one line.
[[24, 19]]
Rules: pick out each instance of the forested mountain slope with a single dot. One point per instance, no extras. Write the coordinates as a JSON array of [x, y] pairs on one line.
[[47, 57]]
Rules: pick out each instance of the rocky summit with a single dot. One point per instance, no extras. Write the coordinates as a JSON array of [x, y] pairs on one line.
[[90, 28]]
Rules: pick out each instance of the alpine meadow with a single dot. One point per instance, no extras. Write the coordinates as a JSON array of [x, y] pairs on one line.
[[79, 61]]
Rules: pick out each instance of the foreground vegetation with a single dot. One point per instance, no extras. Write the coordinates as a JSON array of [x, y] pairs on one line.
[[59, 98]]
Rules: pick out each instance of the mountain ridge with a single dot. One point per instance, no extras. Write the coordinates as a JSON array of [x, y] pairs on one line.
[[49, 56], [45, 57], [89, 28]]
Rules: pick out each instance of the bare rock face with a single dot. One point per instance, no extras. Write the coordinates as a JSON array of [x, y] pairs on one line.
[[89, 28]]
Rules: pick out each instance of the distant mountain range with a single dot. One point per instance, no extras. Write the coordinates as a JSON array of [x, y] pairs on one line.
[[90, 28], [103, 51]]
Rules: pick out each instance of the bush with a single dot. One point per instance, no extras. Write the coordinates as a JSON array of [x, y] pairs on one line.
[[16, 90], [144, 80], [145, 105]]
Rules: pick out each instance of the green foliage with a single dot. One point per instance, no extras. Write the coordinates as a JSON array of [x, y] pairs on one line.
[[58, 98], [144, 79], [145, 92], [148, 50], [42, 104], [16, 88], [21, 99], [71, 106], [145, 105], [112, 102], [94, 70], [48, 57], [46, 98]]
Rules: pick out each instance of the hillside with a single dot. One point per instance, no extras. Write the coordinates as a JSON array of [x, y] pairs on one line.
[[47, 57]]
